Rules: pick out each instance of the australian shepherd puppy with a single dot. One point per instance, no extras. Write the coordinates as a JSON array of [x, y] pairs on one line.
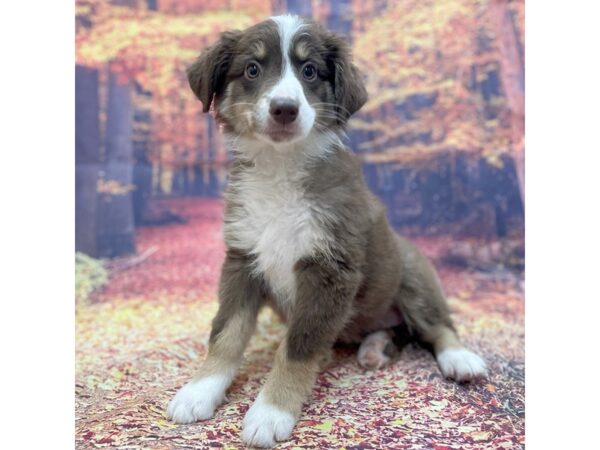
[[303, 232]]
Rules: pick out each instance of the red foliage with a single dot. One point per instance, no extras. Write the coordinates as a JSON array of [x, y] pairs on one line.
[[188, 258], [132, 355]]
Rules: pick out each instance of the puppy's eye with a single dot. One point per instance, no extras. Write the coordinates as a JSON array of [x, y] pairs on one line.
[[309, 72], [252, 71]]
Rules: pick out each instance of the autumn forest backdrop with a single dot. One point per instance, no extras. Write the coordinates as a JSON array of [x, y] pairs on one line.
[[441, 136], [442, 144]]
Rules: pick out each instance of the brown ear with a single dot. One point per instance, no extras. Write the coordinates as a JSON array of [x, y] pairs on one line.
[[207, 75], [348, 87]]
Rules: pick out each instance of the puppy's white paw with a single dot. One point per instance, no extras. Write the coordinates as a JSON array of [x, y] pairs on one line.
[[461, 364], [265, 424], [198, 400]]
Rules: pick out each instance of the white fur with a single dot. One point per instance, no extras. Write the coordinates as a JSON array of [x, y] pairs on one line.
[[461, 364], [198, 400], [275, 221], [266, 424], [288, 87]]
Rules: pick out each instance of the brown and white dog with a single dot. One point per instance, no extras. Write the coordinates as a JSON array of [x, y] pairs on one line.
[[304, 234]]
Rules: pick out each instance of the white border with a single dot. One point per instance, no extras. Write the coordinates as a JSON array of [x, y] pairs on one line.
[[37, 235], [562, 224], [37, 223]]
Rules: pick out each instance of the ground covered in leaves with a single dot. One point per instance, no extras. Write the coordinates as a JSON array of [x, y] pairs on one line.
[[141, 336]]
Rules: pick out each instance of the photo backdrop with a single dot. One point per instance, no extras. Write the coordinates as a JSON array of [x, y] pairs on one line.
[[441, 142], [441, 137]]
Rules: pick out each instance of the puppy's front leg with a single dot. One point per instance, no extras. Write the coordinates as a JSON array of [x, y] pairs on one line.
[[325, 289], [239, 296]]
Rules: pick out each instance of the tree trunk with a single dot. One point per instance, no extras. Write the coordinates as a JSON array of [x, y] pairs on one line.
[[340, 19], [115, 221], [142, 179], [87, 158], [300, 7], [142, 169], [513, 81]]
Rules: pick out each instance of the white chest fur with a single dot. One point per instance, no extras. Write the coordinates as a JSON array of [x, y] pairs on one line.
[[276, 223]]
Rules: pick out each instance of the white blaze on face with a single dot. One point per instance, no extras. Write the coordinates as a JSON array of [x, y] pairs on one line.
[[288, 86]]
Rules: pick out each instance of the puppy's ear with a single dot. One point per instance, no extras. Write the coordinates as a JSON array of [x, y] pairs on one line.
[[207, 75], [348, 87]]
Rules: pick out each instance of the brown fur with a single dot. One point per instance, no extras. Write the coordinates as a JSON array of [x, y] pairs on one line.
[[290, 382], [366, 279], [240, 292]]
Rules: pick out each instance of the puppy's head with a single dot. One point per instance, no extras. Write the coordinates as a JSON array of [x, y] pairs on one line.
[[278, 81]]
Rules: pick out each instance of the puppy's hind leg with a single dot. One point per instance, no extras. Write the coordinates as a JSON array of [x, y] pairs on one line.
[[424, 307], [454, 359]]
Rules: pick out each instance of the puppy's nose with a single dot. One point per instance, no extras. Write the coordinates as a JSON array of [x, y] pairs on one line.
[[284, 110]]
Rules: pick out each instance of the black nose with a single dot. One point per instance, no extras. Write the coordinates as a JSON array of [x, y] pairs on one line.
[[283, 111]]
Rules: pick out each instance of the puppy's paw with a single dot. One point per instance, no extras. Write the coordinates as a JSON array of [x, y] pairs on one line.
[[265, 424], [372, 359], [374, 352], [461, 364], [197, 400]]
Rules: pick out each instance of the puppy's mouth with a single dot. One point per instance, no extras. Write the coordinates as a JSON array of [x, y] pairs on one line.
[[282, 133]]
